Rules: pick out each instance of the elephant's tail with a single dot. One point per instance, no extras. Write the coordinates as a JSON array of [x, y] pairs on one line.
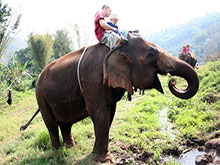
[[26, 125]]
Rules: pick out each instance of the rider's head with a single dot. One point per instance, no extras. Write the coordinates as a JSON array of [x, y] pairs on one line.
[[114, 18], [106, 11]]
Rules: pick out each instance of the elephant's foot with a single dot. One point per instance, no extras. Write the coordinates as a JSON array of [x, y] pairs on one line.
[[55, 143], [56, 146], [70, 144], [104, 158]]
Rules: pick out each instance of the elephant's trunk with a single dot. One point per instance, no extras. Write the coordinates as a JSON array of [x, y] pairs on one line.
[[184, 70]]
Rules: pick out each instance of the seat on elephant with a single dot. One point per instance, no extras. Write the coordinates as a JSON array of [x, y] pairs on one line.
[[189, 58]]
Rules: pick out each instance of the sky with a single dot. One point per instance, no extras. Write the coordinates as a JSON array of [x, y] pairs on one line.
[[42, 16]]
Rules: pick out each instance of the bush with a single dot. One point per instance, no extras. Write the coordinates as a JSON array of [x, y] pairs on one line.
[[42, 141]]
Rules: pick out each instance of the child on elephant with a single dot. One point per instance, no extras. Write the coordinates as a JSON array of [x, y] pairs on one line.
[[113, 21]]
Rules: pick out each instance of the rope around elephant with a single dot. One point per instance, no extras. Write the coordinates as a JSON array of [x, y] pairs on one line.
[[78, 78]]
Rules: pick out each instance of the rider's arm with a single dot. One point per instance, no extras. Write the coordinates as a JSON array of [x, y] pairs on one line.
[[105, 26]]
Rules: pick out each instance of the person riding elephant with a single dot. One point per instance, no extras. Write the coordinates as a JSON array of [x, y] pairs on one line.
[[76, 86], [104, 32]]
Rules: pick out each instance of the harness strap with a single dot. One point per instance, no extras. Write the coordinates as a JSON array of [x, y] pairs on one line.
[[78, 78]]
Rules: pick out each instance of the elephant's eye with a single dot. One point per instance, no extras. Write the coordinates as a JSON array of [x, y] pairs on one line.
[[151, 54], [151, 57]]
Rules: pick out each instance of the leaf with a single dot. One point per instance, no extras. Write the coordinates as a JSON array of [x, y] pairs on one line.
[[24, 66], [27, 74], [20, 68]]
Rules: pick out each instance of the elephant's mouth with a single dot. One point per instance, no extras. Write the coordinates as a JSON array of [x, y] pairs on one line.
[[158, 85]]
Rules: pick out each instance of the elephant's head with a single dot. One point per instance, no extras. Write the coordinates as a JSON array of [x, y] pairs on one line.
[[137, 63]]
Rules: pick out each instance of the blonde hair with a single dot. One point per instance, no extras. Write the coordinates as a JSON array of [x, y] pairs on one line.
[[113, 16]]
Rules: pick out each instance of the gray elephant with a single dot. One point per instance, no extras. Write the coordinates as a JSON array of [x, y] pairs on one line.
[[90, 82]]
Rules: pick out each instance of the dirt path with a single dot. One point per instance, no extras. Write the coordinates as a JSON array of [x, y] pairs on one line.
[[24, 110]]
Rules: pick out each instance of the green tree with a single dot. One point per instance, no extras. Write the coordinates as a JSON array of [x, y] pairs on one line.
[[62, 43], [24, 55], [41, 47], [8, 26]]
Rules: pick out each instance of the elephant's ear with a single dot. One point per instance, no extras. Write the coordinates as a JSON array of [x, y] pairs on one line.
[[116, 69]]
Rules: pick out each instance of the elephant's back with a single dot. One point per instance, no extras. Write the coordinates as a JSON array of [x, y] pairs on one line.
[[62, 69], [92, 61]]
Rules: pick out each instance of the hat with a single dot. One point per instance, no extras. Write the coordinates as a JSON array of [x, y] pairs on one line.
[[114, 16]]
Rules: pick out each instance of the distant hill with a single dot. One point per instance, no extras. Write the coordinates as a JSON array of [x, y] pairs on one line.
[[14, 46], [202, 34]]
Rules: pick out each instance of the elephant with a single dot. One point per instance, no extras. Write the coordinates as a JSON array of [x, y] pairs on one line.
[[90, 81], [189, 58]]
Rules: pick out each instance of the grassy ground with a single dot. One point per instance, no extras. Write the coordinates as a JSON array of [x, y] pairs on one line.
[[137, 134]]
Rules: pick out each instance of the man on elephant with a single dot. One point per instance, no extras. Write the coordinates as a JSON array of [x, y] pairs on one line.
[[104, 32]]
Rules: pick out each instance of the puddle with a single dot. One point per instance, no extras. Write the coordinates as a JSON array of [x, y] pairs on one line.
[[166, 125], [189, 157]]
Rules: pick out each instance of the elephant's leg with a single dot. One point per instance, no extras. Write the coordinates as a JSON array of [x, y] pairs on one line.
[[50, 123], [54, 136], [67, 135], [102, 119], [113, 108], [52, 127]]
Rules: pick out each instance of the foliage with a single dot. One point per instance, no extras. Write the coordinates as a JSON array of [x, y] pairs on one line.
[[24, 56], [14, 72], [209, 77], [13, 76], [211, 58], [140, 127], [192, 118], [3, 73], [8, 26], [42, 141], [62, 43], [196, 117], [41, 47]]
